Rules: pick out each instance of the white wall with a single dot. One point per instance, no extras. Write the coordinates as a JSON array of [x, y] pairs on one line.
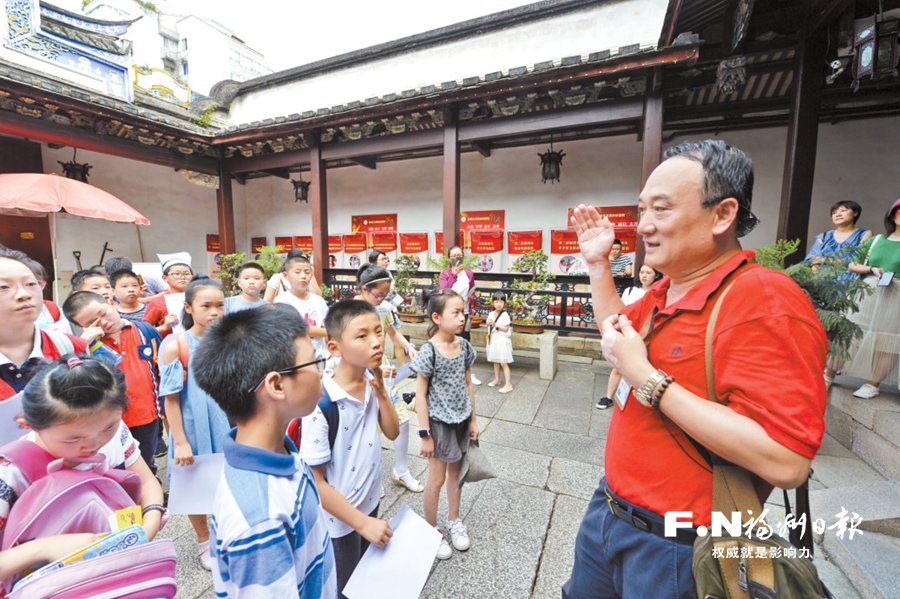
[[855, 161], [180, 213], [607, 26]]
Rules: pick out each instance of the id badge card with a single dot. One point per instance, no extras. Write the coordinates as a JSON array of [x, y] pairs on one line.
[[622, 393]]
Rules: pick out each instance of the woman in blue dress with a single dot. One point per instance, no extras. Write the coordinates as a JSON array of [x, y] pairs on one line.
[[844, 215], [846, 234]]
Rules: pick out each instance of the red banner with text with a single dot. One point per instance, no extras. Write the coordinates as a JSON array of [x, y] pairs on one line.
[[355, 250], [335, 251], [213, 258], [565, 255], [284, 244], [257, 242], [522, 242], [305, 243], [479, 220], [489, 246]]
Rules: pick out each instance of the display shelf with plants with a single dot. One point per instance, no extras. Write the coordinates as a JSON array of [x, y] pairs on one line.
[[526, 301]]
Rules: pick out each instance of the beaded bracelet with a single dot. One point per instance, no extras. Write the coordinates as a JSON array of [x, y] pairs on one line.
[[644, 394], [658, 390]]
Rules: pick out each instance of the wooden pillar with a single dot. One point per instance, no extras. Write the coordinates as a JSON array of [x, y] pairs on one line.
[[225, 210], [318, 196], [451, 181], [802, 138], [651, 151]]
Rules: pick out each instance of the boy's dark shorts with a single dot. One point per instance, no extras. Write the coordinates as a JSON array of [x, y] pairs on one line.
[[451, 441]]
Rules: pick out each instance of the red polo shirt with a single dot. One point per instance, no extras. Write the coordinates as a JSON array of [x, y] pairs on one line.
[[156, 313], [769, 352], [140, 377]]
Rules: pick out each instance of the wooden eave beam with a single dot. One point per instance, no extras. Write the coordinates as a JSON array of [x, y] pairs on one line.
[[633, 62], [98, 111], [544, 122], [827, 12], [277, 172], [670, 23], [40, 130], [483, 148], [363, 161]]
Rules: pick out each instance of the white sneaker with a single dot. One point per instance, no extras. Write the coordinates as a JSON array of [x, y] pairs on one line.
[[205, 557], [475, 380], [828, 382], [444, 551], [867, 391], [459, 536]]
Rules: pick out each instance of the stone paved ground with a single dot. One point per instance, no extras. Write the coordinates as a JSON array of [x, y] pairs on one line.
[[546, 441]]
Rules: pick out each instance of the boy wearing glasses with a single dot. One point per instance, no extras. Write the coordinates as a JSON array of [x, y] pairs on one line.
[[347, 464], [268, 532], [177, 274], [312, 307]]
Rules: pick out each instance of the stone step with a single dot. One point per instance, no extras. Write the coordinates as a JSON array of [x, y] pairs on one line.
[[869, 561], [870, 558], [870, 428]]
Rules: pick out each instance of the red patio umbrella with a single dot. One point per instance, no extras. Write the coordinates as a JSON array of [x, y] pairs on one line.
[[35, 194]]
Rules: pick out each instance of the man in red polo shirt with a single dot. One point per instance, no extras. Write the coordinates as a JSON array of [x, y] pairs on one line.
[[694, 208]]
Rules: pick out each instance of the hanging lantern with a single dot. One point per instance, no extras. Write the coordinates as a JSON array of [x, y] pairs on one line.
[[301, 190], [73, 170], [550, 163]]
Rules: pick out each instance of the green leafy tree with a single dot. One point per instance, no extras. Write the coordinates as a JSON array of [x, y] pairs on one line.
[[269, 259], [833, 292], [229, 273], [404, 284], [442, 263]]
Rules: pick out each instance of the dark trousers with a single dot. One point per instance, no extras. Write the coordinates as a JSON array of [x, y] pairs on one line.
[[147, 436], [613, 560], [348, 550]]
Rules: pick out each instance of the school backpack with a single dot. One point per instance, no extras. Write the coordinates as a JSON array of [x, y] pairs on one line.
[[329, 410], [62, 501]]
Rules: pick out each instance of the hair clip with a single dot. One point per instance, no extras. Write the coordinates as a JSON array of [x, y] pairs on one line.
[[73, 362]]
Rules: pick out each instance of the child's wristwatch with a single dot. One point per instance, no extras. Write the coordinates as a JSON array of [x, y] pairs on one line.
[[424, 433]]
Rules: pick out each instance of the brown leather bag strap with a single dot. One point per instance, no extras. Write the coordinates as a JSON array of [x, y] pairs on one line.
[[732, 488]]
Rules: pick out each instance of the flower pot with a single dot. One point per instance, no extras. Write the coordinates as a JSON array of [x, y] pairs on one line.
[[534, 329], [476, 322], [417, 317]]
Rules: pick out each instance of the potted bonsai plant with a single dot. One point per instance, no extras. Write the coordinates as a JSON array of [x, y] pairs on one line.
[[231, 263], [405, 287], [526, 301]]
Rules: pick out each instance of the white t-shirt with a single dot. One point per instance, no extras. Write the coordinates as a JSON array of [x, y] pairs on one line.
[[501, 321], [353, 468], [633, 294], [313, 309], [279, 283]]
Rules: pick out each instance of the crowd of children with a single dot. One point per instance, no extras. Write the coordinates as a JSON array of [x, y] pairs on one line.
[[240, 372]]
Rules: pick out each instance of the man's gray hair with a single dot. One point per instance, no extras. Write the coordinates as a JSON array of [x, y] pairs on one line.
[[727, 173]]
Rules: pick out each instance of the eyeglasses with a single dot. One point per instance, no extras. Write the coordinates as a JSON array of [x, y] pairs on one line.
[[320, 364], [33, 287], [180, 275], [380, 298]]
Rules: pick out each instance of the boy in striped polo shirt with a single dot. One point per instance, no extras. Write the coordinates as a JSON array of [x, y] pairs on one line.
[[268, 532]]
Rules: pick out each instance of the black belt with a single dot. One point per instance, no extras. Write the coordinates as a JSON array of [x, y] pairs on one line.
[[646, 520]]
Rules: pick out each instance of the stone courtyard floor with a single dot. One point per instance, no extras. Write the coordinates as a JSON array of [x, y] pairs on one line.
[[546, 441]]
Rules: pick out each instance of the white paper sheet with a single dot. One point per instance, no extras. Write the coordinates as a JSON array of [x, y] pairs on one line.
[[402, 373], [175, 305], [400, 569], [9, 428], [192, 489]]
